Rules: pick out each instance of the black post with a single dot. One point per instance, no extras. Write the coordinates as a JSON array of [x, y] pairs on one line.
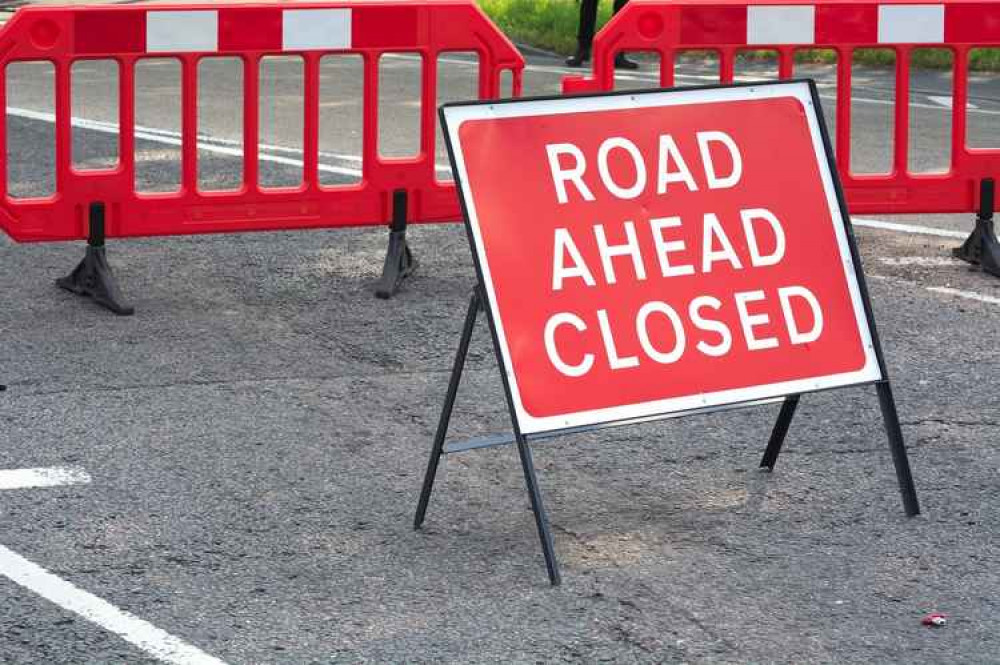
[[93, 277], [898, 448], [399, 261], [449, 403], [779, 432], [537, 507], [982, 247]]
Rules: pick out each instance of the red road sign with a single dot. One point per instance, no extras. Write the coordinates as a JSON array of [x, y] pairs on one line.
[[650, 254]]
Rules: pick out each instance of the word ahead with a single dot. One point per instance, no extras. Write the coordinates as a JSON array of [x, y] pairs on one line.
[[653, 254]]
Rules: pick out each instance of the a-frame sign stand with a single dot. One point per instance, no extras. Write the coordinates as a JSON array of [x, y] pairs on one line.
[[439, 448], [498, 165]]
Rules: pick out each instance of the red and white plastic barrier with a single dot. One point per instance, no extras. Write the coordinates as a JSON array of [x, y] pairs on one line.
[[129, 34], [728, 27]]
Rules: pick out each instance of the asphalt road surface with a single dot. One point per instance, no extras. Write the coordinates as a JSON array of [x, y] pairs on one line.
[[255, 436]]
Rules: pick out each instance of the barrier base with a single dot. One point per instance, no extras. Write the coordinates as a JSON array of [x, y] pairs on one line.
[[982, 247], [399, 261], [93, 277], [399, 264]]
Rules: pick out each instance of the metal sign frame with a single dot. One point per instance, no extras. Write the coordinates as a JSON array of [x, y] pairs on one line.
[[522, 436]]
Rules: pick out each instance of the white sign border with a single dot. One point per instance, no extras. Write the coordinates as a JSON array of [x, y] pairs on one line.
[[456, 115]]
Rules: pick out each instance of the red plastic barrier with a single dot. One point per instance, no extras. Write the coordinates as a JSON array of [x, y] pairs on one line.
[[728, 27], [129, 34]]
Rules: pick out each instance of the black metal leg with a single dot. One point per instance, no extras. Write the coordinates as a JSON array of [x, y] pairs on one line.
[[779, 432], [449, 403], [541, 520], [898, 448], [399, 261]]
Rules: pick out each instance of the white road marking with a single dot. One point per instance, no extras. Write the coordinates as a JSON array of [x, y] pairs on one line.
[[212, 144], [13, 479], [970, 295], [946, 101], [142, 634], [910, 228], [922, 261], [914, 105]]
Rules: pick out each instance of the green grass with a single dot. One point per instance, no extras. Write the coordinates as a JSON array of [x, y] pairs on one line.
[[552, 25], [547, 24]]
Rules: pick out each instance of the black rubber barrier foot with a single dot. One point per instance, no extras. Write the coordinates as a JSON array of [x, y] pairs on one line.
[[93, 277], [399, 261], [982, 247]]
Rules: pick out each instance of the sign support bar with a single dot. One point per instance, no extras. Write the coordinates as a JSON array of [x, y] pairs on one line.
[[449, 403], [898, 448], [893, 431], [779, 432], [523, 448]]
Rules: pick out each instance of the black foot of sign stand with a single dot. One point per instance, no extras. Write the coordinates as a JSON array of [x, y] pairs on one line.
[[93, 277], [399, 261], [523, 448], [892, 429], [982, 248]]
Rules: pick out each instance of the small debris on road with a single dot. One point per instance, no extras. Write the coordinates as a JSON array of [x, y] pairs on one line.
[[935, 620]]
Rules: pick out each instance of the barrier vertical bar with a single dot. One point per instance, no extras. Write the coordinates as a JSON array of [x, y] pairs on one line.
[[251, 123], [901, 134], [64, 128], [310, 123], [727, 65], [487, 79], [845, 57], [786, 63], [959, 103], [667, 65], [370, 119], [4, 153], [428, 108], [126, 118], [189, 124]]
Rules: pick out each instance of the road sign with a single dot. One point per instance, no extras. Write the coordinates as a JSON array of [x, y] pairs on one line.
[[645, 255], [657, 253]]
